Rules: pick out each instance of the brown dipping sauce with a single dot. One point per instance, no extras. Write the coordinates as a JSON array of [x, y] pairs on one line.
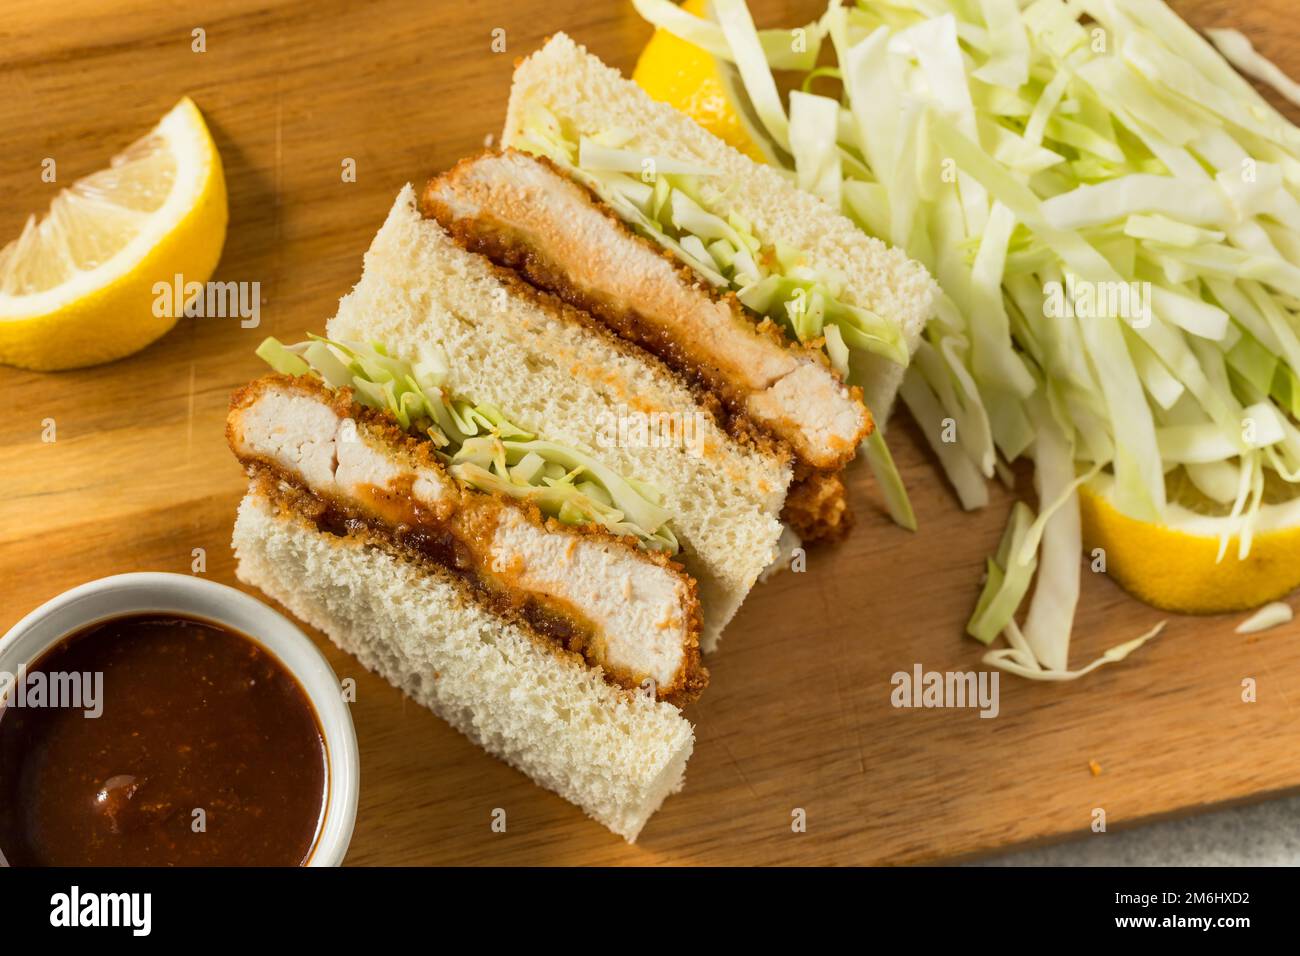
[[193, 716]]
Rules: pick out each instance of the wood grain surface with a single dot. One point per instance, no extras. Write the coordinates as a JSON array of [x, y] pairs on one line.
[[798, 714]]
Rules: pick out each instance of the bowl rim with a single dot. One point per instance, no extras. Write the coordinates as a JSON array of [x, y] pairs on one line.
[[168, 592]]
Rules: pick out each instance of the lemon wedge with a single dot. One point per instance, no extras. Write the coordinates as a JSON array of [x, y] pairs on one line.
[[689, 79], [77, 287], [1175, 565]]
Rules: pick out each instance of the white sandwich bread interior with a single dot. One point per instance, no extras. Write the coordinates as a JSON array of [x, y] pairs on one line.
[[642, 610], [592, 98], [521, 209], [614, 753], [551, 371]]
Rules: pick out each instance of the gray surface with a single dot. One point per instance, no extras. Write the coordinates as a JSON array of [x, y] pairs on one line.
[[1265, 834]]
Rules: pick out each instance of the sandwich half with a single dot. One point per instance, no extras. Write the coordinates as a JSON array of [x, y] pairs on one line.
[[446, 486], [719, 266]]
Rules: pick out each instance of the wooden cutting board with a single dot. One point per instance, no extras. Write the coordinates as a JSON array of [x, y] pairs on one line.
[[798, 714]]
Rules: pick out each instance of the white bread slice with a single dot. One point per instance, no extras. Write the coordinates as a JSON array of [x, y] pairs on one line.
[[614, 753], [592, 98], [554, 371]]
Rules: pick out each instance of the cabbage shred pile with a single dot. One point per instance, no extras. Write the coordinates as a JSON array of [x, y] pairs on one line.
[[1113, 214]]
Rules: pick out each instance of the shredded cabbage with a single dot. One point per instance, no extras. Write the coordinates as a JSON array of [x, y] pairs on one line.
[[747, 52], [1241, 53], [479, 445], [814, 128], [1270, 615], [887, 477], [1113, 214], [779, 46]]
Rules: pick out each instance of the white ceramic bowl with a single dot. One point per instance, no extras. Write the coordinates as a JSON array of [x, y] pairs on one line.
[[181, 594]]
